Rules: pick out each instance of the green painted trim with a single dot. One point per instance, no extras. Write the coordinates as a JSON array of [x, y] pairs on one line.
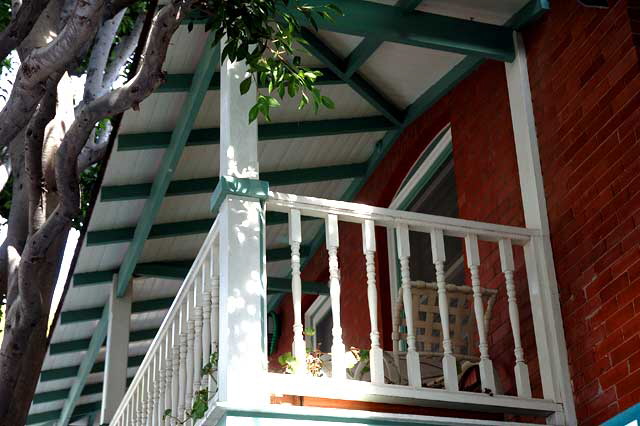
[[56, 395], [239, 187], [369, 45], [318, 49], [85, 344], [393, 24], [284, 253], [436, 92], [79, 412], [90, 314], [182, 82], [93, 348], [111, 193], [165, 230], [442, 158], [89, 278], [529, 13], [266, 132], [67, 372], [189, 111]]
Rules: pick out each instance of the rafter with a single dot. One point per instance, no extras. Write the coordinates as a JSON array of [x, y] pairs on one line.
[[266, 132], [204, 185], [390, 23], [79, 412], [67, 372], [168, 230], [182, 82], [188, 112], [369, 45]]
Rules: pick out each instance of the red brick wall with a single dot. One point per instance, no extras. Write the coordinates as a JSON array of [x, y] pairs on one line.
[[585, 81]]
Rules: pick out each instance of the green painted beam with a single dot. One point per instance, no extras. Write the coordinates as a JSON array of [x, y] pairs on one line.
[[56, 395], [393, 24], [67, 372], [284, 253], [188, 113], [165, 230], [266, 132], [205, 185], [182, 82], [84, 344], [369, 45], [533, 10], [318, 49], [79, 412], [92, 349], [138, 307]]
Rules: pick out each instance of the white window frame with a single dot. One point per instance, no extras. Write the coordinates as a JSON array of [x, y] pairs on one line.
[[420, 174], [320, 308]]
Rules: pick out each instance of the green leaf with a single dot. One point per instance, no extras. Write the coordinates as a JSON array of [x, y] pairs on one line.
[[327, 102], [253, 113], [245, 85]]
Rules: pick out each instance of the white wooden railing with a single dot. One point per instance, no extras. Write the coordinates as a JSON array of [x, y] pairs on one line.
[[171, 372], [401, 222]]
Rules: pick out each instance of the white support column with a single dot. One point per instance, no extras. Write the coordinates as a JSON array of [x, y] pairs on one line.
[[338, 362], [242, 348], [115, 371], [543, 287]]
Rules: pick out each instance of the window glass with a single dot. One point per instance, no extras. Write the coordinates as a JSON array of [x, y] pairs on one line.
[[323, 333], [439, 197]]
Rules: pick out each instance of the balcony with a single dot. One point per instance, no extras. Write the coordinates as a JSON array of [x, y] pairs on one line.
[[417, 370]]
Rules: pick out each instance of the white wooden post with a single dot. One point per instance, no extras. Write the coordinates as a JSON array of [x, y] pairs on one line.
[[338, 362], [543, 286], [521, 370], [413, 359], [243, 293], [115, 372], [295, 239], [448, 360], [376, 364], [487, 378]]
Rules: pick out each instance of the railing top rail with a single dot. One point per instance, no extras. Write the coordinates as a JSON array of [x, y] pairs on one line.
[[358, 213], [170, 317]]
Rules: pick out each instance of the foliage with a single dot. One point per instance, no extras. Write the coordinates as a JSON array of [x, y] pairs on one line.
[[201, 397], [87, 180], [266, 34]]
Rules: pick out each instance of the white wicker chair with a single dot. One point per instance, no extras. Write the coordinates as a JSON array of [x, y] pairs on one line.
[[428, 328]]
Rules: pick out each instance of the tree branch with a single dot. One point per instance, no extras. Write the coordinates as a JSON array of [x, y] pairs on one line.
[[20, 25], [100, 56], [122, 52], [29, 86]]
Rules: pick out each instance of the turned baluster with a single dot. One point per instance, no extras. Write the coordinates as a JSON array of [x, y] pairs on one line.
[[523, 385], [215, 308], [140, 404], [146, 395], [175, 357], [206, 322], [487, 378], [448, 360], [197, 341], [134, 408], [295, 239], [188, 387], [338, 363], [376, 365], [182, 370], [404, 252], [155, 377], [162, 382]]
